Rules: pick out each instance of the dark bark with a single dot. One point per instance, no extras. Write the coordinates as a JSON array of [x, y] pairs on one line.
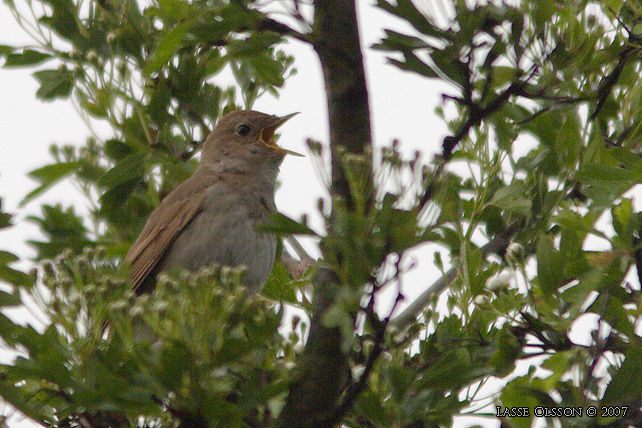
[[322, 371], [336, 41]]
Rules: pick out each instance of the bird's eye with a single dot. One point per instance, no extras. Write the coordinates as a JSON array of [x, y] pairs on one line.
[[243, 130]]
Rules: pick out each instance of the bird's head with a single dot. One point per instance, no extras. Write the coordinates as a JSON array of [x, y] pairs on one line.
[[245, 138]]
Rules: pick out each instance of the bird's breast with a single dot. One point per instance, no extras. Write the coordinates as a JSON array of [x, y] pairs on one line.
[[225, 232]]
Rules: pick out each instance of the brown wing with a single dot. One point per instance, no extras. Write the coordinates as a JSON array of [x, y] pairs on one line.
[[164, 224]]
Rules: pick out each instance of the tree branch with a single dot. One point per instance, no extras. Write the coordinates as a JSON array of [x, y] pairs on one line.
[[322, 371]]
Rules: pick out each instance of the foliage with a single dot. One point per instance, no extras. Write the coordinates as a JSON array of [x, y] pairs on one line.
[[544, 111], [187, 349], [148, 73]]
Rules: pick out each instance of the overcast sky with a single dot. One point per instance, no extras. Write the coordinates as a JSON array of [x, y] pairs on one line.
[[402, 107]]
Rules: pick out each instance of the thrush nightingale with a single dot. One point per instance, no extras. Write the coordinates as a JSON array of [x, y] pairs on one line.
[[212, 217]]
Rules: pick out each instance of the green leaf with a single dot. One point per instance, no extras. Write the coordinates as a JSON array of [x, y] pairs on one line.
[[10, 299], [267, 69], [629, 160], [167, 46], [6, 50], [503, 75], [6, 258], [63, 228], [414, 64], [369, 405], [54, 172], [607, 177], [279, 286], [54, 84], [625, 383], [64, 19], [622, 215], [95, 109], [549, 266], [22, 400], [568, 142], [399, 379], [518, 393], [508, 351], [48, 176], [284, 225], [173, 9], [511, 198], [406, 10], [116, 149], [254, 46], [544, 9], [116, 196], [15, 277], [26, 58], [130, 168], [558, 363]]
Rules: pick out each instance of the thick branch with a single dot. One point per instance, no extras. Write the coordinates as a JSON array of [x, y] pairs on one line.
[[322, 371], [336, 41]]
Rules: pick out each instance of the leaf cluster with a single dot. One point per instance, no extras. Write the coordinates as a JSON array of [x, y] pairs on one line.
[[197, 350], [543, 148], [154, 75]]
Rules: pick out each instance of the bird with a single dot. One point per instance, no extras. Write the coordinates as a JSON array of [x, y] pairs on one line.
[[212, 217]]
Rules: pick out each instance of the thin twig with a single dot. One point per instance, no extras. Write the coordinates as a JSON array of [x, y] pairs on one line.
[[299, 250], [411, 313]]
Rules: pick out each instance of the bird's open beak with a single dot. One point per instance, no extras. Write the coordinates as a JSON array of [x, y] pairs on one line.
[[267, 135]]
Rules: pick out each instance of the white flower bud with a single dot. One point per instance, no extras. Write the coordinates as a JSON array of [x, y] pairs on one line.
[[92, 56], [481, 299], [357, 371], [136, 310], [498, 283], [515, 253]]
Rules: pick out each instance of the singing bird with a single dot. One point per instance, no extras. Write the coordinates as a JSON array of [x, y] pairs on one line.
[[212, 217]]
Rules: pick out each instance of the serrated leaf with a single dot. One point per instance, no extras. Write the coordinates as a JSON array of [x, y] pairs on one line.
[[15, 277], [549, 267], [48, 176], [116, 149], [6, 258], [284, 225], [278, 286], [511, 198], [622, 387], [406, 10], [10, 299], [414, 64], [54, 84], [96, 110], [26, 58], [628, 159], [64, 19], [6, 50], [267, 69], [167, 46], [54, 172], [605, 176], [117, 196], [503, 75], [130, 168]]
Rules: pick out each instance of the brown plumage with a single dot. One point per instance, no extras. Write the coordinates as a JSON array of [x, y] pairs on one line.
[[212, 216]]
